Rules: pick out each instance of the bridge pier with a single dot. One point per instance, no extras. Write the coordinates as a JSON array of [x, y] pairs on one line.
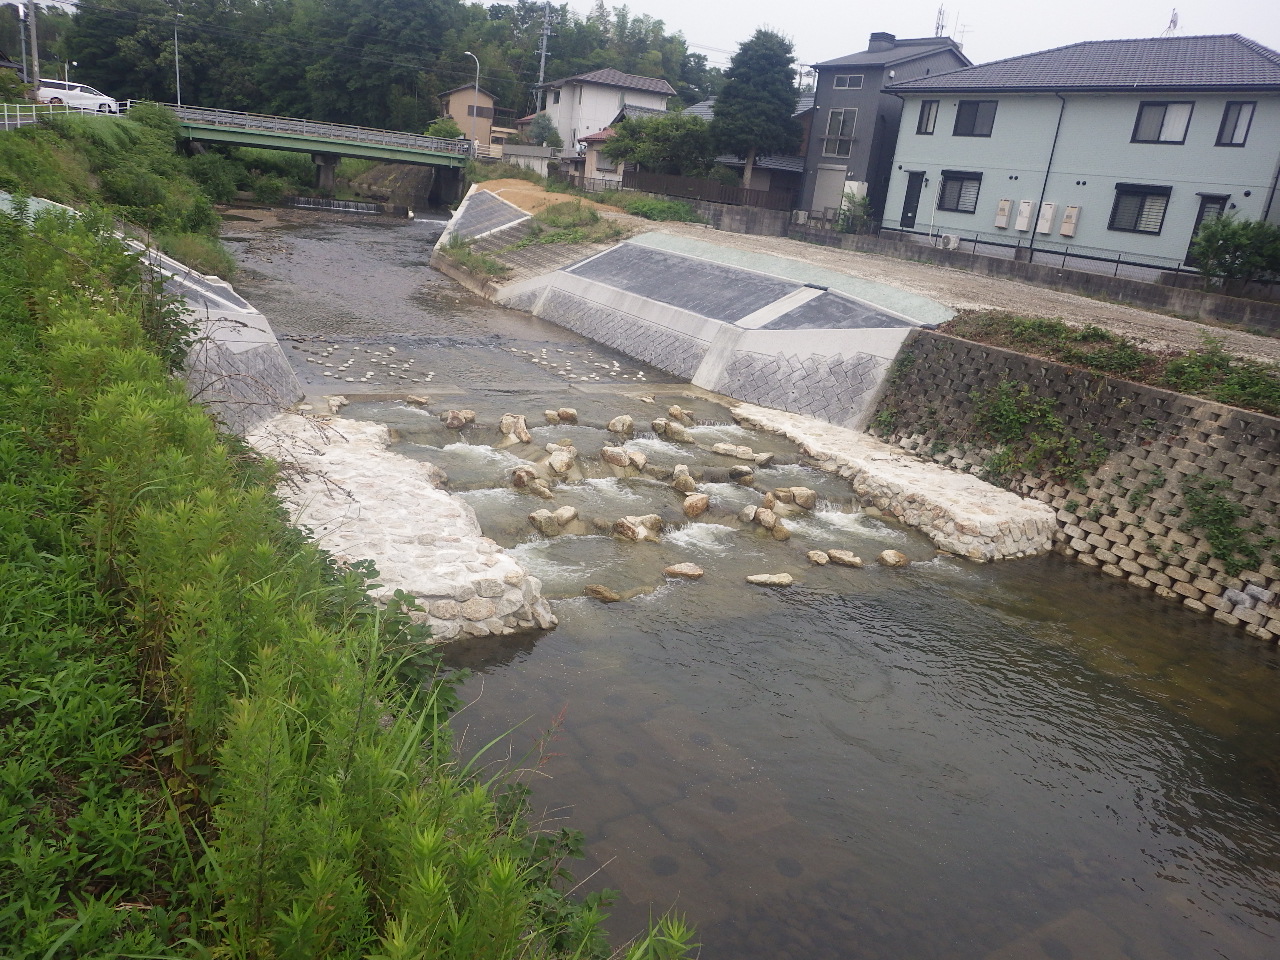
[[449, 186], [326, 171]]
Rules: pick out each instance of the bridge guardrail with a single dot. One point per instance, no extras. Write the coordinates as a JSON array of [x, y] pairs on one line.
[[315, 128]]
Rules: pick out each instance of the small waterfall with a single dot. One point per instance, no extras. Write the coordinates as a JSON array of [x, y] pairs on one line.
[[341, 206]]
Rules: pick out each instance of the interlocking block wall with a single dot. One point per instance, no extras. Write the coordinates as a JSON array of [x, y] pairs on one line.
[[1127, 513]]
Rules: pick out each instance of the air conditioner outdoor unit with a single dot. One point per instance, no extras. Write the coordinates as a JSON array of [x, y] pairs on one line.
[[950, 241]]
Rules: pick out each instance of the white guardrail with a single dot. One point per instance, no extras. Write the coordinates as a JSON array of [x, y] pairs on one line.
[[19, 114]]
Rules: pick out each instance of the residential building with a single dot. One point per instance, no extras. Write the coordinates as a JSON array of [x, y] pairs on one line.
[[774, 172], [1103, 153], [469, 103], [849, 144], [586, 104], [591, 162]]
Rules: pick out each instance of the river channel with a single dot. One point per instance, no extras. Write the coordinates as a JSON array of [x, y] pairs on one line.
[[1021, 760]]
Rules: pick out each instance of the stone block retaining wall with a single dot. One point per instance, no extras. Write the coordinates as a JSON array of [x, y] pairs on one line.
[[1128, 515]]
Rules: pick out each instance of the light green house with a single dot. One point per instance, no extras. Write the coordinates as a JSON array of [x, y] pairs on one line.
[[1105, 155]]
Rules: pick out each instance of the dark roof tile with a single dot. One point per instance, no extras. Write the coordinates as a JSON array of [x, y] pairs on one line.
[[907, 49], [616, 78], [1224, 61]]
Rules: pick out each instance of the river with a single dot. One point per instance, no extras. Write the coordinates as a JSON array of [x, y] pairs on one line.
[[956, 761]]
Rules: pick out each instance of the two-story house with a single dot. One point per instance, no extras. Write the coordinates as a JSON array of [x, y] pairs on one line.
[[588, 103], [849, 144], [1105, 150]]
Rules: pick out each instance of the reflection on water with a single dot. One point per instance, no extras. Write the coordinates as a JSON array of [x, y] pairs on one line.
[[955, 761], [950, 760]]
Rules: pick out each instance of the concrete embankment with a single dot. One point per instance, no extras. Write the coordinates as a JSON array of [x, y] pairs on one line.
[[1173, 494], [812, 345]]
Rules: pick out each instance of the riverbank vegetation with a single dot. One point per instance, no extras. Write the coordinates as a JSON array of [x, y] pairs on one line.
[[214, 744], [1210, 372]]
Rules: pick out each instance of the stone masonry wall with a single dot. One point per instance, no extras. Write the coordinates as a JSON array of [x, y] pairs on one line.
[[1141, 451]]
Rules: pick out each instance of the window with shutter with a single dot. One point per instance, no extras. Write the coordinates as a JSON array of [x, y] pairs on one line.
[[959, 191], [1139, 208]]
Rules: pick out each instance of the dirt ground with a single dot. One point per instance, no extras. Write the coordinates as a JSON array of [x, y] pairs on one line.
[[955, 288]]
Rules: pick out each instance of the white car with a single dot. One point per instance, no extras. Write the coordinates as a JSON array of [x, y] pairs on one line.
[[75, 95]]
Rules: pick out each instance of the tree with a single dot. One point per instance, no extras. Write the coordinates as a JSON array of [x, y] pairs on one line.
[[755, 112], [672, 143], [543, 132], [445, 127], [1226, 248]]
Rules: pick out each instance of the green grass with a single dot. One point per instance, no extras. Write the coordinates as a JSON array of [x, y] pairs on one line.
[[652, 208], [1210, 372], [214, 744]]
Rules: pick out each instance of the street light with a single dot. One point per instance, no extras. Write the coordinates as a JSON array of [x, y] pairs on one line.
[[177, 67], [475, 98]]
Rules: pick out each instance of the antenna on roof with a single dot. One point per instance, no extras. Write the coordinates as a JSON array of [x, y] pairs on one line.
[[940, 22], [1172, 28]]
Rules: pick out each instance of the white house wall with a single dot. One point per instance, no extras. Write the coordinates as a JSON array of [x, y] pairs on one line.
[[1093, 154], [587, 108]]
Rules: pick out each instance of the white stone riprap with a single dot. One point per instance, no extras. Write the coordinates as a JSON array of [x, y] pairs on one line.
[[960, 513], [362, 501]]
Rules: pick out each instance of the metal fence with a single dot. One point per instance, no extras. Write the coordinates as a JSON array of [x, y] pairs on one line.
[[14, 115]]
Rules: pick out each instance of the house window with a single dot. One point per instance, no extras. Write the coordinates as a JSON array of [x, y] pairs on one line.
[[1139, 208], [555, 96], [839, 139], [1162, 122], [1236, 118], [928, 118], [482, 112], [974, 118], [849, 82], [959, 191]]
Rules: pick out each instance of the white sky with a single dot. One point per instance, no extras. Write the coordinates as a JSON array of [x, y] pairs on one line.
[[989, 29]]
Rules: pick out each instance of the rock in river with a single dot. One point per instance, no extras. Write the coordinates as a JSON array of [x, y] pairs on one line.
[[771, 579], [695, 505], [846, 558], [892, 558], [601, 593], [690, 571]]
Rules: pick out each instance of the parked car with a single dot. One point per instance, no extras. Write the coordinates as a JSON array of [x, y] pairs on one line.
[[77, 95]]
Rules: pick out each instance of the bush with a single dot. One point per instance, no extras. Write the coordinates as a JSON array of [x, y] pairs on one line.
[[267, 189], [199, 251], [571, 213], [216, 174], [652, 208], [542, 131], [445, 127], [1226, 249]]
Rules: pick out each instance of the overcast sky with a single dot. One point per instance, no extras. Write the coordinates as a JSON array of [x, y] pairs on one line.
[[989, 29]]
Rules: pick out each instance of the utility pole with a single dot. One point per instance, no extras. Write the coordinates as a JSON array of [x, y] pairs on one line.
[[177, 67], [35, 46], [542, 52]]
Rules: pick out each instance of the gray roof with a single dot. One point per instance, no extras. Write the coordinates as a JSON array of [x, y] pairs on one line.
[[792, 164], [1179, 63], [901, 50], [610, 77], [706, 109]]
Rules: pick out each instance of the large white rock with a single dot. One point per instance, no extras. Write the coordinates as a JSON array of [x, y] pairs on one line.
[[959, 512], [361, 501]]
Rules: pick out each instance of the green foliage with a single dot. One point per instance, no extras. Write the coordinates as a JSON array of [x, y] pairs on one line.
[[571, 213], [199, 251], [1140, 495], [445, 127], [1215, 514], [217, 175], [543, 132], [855, 216], [460, 252], [1227, 248], [1030, 436], [754, 113], [204, 715], [12, 90], [652, 208], [1212, 372], [672, 143]]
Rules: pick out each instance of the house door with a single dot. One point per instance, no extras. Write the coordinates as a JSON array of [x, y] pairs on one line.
[[1211, 206], [911, 204]]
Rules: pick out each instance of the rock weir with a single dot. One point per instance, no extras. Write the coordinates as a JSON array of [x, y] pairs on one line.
[[958, 512], [363, 501]]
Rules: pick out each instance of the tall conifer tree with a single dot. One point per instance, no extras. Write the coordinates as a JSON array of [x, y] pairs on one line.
[[755, 112]]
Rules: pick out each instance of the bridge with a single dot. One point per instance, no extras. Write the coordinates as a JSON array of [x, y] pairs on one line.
[[326, 142]]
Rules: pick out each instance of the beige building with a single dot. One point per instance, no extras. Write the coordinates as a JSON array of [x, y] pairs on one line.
[[467, 103]]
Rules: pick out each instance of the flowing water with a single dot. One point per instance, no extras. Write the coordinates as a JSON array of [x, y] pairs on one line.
[[1020, 760]]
